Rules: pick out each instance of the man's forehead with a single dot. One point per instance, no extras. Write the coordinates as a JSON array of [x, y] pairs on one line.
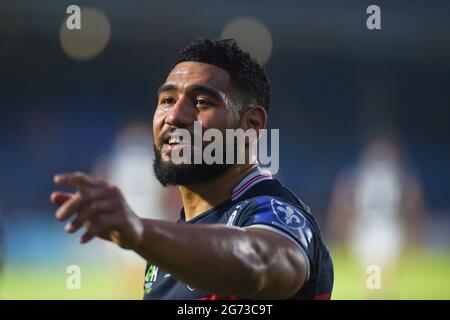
[[189, 73]]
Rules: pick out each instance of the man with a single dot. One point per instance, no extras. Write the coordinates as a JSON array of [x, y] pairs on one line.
[[241, 234]]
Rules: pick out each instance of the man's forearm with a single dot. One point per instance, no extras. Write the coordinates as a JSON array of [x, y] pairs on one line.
[[213, 258]]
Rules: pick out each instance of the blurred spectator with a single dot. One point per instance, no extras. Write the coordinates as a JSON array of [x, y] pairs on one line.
[[377, 210]]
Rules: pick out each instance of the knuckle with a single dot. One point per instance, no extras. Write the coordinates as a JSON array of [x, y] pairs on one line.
[[114, 189], [89, 226], [96, 206], [93, 206], [100, 182], [102, 220], [79, 174], [88, 195]]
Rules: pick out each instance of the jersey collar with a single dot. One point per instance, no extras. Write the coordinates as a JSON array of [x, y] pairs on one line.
[[255, 177]]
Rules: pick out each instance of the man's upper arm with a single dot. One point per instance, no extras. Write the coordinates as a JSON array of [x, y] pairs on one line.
[[288, 266], [289, 233]]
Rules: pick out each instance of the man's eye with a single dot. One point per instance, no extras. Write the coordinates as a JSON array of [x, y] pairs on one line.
[[168, 100], [202, 102]]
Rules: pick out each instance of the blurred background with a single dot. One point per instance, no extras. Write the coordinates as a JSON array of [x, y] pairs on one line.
[[363, 118]]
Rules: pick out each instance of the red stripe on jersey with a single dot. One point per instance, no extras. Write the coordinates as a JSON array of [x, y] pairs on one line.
[[325, 296], [249, 182], [216, 297]]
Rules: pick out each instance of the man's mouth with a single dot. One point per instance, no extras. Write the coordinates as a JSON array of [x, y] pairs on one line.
[[172, 141]]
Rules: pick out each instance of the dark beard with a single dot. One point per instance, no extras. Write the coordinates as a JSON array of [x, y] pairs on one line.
[[170, 174]]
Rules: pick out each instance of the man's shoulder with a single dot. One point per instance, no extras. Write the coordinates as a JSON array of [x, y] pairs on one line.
[[268, 191], [268, 198], [272, 204], [270, 209]]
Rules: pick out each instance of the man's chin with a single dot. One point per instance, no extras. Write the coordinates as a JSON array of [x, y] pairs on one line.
[[171, 174]]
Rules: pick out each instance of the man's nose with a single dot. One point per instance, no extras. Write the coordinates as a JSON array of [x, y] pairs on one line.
[[182, 114]]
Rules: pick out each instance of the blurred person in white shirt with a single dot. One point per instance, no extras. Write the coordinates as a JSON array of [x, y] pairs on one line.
[[376, 212]]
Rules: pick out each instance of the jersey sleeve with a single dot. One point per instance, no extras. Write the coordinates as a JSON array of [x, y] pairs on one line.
[[281, 217]]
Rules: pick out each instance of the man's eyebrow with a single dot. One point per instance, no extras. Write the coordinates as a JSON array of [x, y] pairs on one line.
[[192, 88], [166, 87]]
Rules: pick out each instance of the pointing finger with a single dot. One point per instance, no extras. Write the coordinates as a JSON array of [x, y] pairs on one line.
[[69, 207], [76, 179], [95, 207], [59, 197]]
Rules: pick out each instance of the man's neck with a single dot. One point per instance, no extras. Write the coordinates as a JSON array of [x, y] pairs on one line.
[[206, 195]]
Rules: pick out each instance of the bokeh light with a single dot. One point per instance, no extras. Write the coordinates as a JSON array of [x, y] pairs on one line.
[[89, 41], [252, 35]]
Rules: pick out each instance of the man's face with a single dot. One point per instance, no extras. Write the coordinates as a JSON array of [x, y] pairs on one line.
[[192, 92]]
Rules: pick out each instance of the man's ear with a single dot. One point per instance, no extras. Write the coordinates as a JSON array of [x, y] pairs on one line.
[[254, 118]]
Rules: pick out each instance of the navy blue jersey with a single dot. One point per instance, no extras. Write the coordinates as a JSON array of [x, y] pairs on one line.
[[257, 202]]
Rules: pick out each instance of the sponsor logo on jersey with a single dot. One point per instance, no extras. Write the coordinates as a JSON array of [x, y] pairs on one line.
[[150, 278]]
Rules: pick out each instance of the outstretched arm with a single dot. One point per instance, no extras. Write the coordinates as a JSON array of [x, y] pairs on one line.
[[251, 263]]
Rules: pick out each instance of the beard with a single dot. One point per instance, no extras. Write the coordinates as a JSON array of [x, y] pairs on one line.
[[171, 174]]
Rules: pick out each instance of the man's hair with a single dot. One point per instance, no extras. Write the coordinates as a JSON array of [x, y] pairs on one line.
[[246, 74]]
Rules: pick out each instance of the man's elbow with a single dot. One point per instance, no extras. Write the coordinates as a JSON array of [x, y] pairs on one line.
[[277, 275]]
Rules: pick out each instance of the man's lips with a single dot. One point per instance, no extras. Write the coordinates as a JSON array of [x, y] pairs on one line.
[[168, 148], [171, 137]]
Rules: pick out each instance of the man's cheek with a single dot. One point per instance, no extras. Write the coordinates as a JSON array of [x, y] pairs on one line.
[[157, 126], [159, 116]]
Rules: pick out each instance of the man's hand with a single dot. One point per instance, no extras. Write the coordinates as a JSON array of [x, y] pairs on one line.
[[98, 206]]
